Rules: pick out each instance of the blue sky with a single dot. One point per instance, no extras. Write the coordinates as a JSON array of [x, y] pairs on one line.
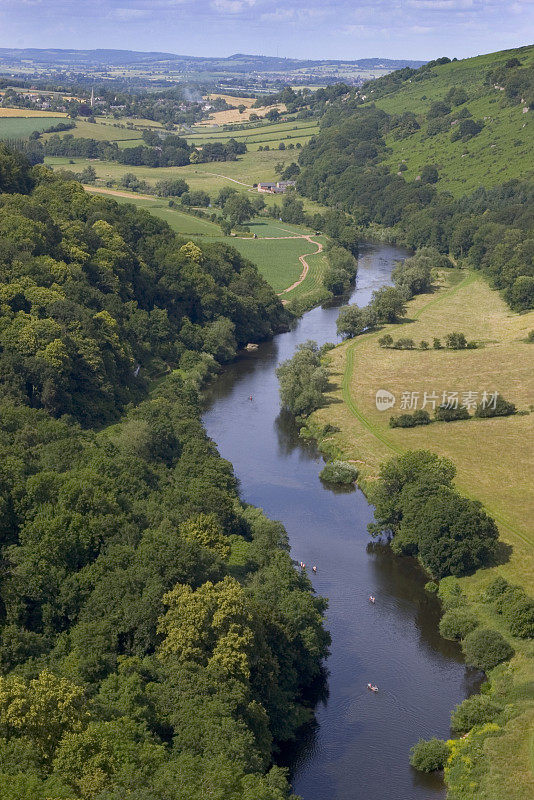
[[350, 29]]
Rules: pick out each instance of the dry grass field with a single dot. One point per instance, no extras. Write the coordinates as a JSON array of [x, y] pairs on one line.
[[24, 113], [493, 456], [234, 115]]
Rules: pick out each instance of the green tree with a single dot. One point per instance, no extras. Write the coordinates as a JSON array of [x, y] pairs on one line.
[[353, 320], [210, 626], [43, 709], [388, 304], [428, 756], [475, 710], [238, 209], [302, 380], [484, 648]]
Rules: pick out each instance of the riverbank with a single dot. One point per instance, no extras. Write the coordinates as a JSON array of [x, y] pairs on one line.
[[492, 457], [394, 643]]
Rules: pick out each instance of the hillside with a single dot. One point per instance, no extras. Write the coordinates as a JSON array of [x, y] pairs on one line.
[[501, 151]]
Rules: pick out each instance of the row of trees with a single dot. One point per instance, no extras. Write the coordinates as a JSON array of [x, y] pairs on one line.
[[169, 151]]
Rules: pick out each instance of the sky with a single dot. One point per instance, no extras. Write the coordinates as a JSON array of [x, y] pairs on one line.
[[318, 29]]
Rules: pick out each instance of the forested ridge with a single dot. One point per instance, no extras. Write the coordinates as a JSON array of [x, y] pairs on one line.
[[155, 638]]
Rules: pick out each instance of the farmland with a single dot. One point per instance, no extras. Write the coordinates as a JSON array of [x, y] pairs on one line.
[[276, 255], [21, 127], [211, 176]]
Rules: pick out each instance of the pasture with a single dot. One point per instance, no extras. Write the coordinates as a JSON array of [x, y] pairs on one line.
[[105, 131], [27, 113], [260, 135], [247, 170], [493, 456], [21, 127], [276, 258]]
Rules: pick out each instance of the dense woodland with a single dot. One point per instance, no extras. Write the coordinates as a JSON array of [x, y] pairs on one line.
[[155, 638]]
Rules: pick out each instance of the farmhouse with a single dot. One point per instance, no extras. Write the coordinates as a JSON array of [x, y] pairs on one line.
[[267, 187], [275, 188]]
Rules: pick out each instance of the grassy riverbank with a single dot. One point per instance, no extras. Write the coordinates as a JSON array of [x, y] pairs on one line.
[[492, 456]]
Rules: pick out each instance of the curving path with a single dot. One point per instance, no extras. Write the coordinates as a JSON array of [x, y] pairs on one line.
[[302, 259]]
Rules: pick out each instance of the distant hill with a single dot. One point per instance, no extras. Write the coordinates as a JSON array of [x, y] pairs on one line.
[[239, 62]]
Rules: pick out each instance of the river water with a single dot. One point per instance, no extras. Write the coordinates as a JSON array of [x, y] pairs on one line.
[[358, 748]]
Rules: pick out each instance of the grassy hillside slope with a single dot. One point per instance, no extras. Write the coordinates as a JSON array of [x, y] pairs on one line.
[[501, 151]]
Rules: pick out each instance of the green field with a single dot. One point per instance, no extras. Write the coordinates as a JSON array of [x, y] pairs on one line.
[[248, 169], [501, 151], [21, 127], [105, 132], [292, 132], [276, 258]]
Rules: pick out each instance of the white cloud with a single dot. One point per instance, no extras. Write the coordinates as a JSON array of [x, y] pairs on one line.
[[446, 5], [126, 14], [232, 6]]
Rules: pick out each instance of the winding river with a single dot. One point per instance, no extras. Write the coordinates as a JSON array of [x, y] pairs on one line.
[[358, 748]]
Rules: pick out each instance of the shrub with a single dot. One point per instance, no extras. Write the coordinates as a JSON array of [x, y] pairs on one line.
[[429, 174], [424, 345], [386, 341], [456, 341], [484, 648], [410, 420], [501, 408], [438, 109], [436, 344], [404, 344], [515, 606], [466, 129], [457, 623], [339, 472], [476, 710], [444, 414], [427, 756], [495, 589], [530, 336], [520, 616], [450, 593]]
